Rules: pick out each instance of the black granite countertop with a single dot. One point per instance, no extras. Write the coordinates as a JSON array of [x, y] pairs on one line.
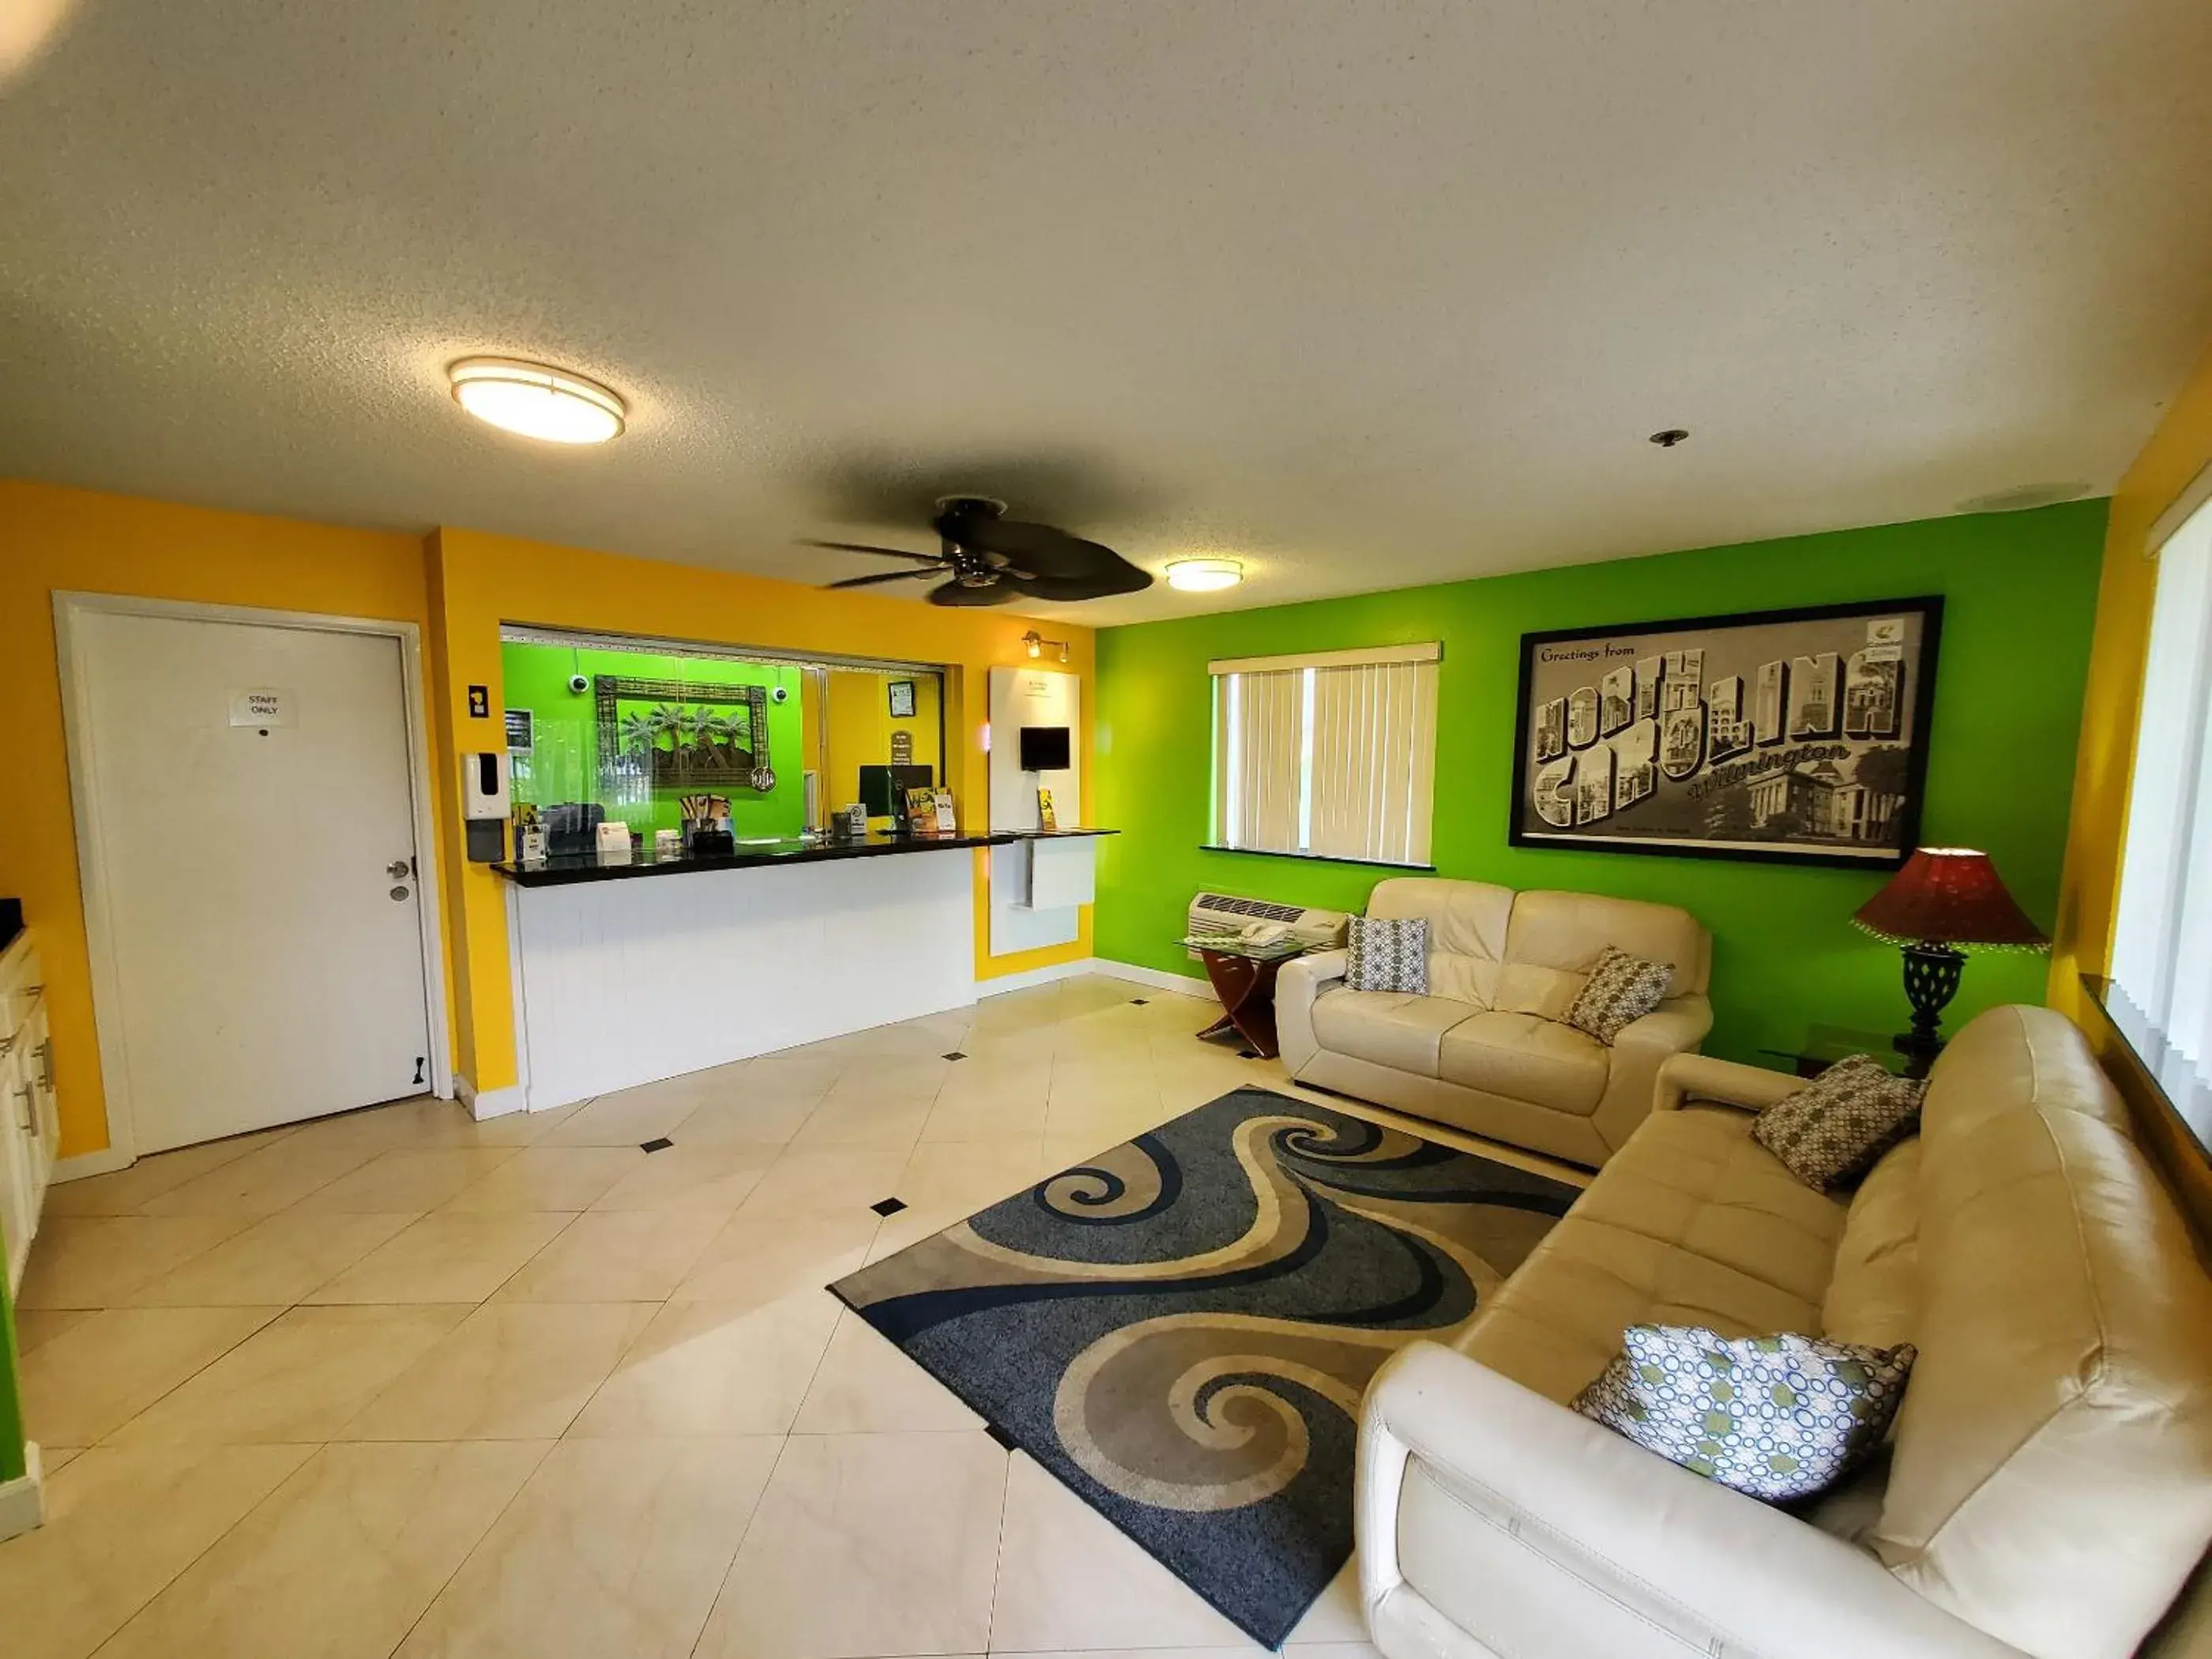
[[562, 868]]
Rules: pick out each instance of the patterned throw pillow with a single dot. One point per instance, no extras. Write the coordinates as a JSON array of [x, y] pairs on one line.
[[1775, 1417], [1831, 1130], [1620, 989], [1388, 955]]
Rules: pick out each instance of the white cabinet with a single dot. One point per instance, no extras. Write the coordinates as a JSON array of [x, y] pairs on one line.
[[29, 1124]]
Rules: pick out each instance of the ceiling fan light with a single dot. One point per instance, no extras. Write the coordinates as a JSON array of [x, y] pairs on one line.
[[1204, 576], [536, 401]]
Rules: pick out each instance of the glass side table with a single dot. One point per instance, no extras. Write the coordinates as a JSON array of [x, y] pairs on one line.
[[1243, 974], [1825, 1045]]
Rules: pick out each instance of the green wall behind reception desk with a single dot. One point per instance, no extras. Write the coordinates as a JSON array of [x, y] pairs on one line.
[[2019, 594], [563, 765]]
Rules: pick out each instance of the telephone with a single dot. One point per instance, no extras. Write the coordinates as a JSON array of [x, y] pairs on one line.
[[1262, 932]]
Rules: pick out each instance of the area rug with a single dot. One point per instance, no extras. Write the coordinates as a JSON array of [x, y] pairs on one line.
[[1181, 1329]]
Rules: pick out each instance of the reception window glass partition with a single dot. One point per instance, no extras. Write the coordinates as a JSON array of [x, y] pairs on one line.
[[635, 726]]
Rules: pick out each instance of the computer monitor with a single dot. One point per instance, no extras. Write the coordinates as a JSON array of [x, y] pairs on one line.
[[1044, 749], [882, 789]]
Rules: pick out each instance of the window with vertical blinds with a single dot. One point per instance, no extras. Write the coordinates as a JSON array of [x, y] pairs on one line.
[[1332, 756], [2162, 945]]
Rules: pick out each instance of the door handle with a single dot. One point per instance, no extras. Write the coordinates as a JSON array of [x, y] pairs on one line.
[[400, 869]]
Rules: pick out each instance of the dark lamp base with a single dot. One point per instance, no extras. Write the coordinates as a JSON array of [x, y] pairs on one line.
[[1931, 980]]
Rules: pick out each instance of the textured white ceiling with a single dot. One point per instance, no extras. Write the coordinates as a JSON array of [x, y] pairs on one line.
[[1366, 294]]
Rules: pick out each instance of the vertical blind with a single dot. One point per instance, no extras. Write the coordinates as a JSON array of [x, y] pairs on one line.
[[1332, 755], [2162, 946]]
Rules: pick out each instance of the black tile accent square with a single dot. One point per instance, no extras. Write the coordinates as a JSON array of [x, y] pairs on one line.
[[954, 1055], [888, 1206], [657, 1144], [1000, 1436]]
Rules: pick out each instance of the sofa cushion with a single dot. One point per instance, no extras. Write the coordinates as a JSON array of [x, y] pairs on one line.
[[1387, 955], [1525, 1058], [2052, 1477], [1467, 930], [1565, 932], [1620, 990], [1833, 1128], [1693, 1223], [1387, 1027], [1874, 1299], [1776, 1418]]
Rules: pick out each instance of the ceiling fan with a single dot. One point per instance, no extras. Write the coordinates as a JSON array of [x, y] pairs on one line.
[[995, 559]]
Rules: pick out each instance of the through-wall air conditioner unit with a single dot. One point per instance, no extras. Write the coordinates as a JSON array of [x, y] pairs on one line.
[[1214, 914]]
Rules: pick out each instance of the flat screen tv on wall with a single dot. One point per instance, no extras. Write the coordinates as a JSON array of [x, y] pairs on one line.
[[1044, 749]]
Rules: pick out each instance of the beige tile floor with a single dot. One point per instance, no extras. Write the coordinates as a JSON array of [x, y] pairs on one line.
[[401, 1382]]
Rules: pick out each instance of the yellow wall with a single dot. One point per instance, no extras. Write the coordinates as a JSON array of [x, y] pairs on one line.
[[479, 581], [459, 585], [860, 727], [68, 539], [2089, 889]]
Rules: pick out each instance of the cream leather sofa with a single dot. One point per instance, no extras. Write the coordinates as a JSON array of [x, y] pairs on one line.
[[2049, 1481], [1488, 1050]]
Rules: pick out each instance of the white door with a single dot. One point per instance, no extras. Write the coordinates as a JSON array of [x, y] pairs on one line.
[[254, 815]]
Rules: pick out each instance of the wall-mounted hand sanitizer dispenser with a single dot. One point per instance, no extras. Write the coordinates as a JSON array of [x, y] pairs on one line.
[[485, 805]]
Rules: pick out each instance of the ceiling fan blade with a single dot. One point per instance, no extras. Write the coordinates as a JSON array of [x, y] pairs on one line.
[[956, 593], [882, 576], [1101, 583], [863, 547]]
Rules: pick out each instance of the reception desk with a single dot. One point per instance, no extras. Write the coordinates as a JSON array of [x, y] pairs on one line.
[[629, 972]]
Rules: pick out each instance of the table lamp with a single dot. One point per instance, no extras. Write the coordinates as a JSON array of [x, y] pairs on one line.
[[1944, 897]]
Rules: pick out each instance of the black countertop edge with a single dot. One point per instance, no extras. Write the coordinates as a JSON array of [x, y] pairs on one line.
[[1051, 834], [566, 868]]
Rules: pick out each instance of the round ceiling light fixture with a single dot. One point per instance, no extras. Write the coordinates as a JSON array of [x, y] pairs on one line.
[[536, 401], [1204, 576]]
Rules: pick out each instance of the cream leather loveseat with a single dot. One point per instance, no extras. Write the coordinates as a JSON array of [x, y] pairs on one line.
[[1488, 1050], [2050, 1481]]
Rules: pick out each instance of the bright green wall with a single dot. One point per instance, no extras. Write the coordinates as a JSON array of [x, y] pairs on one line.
[[2019, 594], [564, 763], [11, 1409]]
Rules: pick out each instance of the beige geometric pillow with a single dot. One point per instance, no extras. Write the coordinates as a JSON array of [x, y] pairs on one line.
[[1831, 1130], [1621, 989]]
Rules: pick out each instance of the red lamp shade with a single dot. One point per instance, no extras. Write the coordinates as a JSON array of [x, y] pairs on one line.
[[1949, 895]]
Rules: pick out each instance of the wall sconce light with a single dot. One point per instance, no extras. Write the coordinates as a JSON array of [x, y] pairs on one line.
[[1034, 643]]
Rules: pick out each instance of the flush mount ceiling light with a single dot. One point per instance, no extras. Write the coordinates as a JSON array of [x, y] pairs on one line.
[[1204, 576], [536, 401]]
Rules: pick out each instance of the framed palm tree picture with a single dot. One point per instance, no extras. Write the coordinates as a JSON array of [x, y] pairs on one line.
[[676, 735]]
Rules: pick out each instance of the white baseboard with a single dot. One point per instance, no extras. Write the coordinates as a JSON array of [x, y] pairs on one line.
[[23, 1501], [1000, 983], [106, 1161], [490, 1102], [1190, 985]]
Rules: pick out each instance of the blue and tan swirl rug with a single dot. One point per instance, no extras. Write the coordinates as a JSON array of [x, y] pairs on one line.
[[1181, 1329]]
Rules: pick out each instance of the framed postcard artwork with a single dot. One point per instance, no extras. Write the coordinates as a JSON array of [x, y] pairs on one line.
[[1794, 736]]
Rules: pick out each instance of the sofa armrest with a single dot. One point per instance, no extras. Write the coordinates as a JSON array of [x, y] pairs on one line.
[[1640, 1048], [1300, 981], [1687, 1079], [1538, 1531]]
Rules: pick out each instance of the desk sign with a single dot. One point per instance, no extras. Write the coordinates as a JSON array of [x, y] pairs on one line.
[[265, 706]]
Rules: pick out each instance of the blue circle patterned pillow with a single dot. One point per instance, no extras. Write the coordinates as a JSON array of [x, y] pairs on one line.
[[1775, 1417]]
